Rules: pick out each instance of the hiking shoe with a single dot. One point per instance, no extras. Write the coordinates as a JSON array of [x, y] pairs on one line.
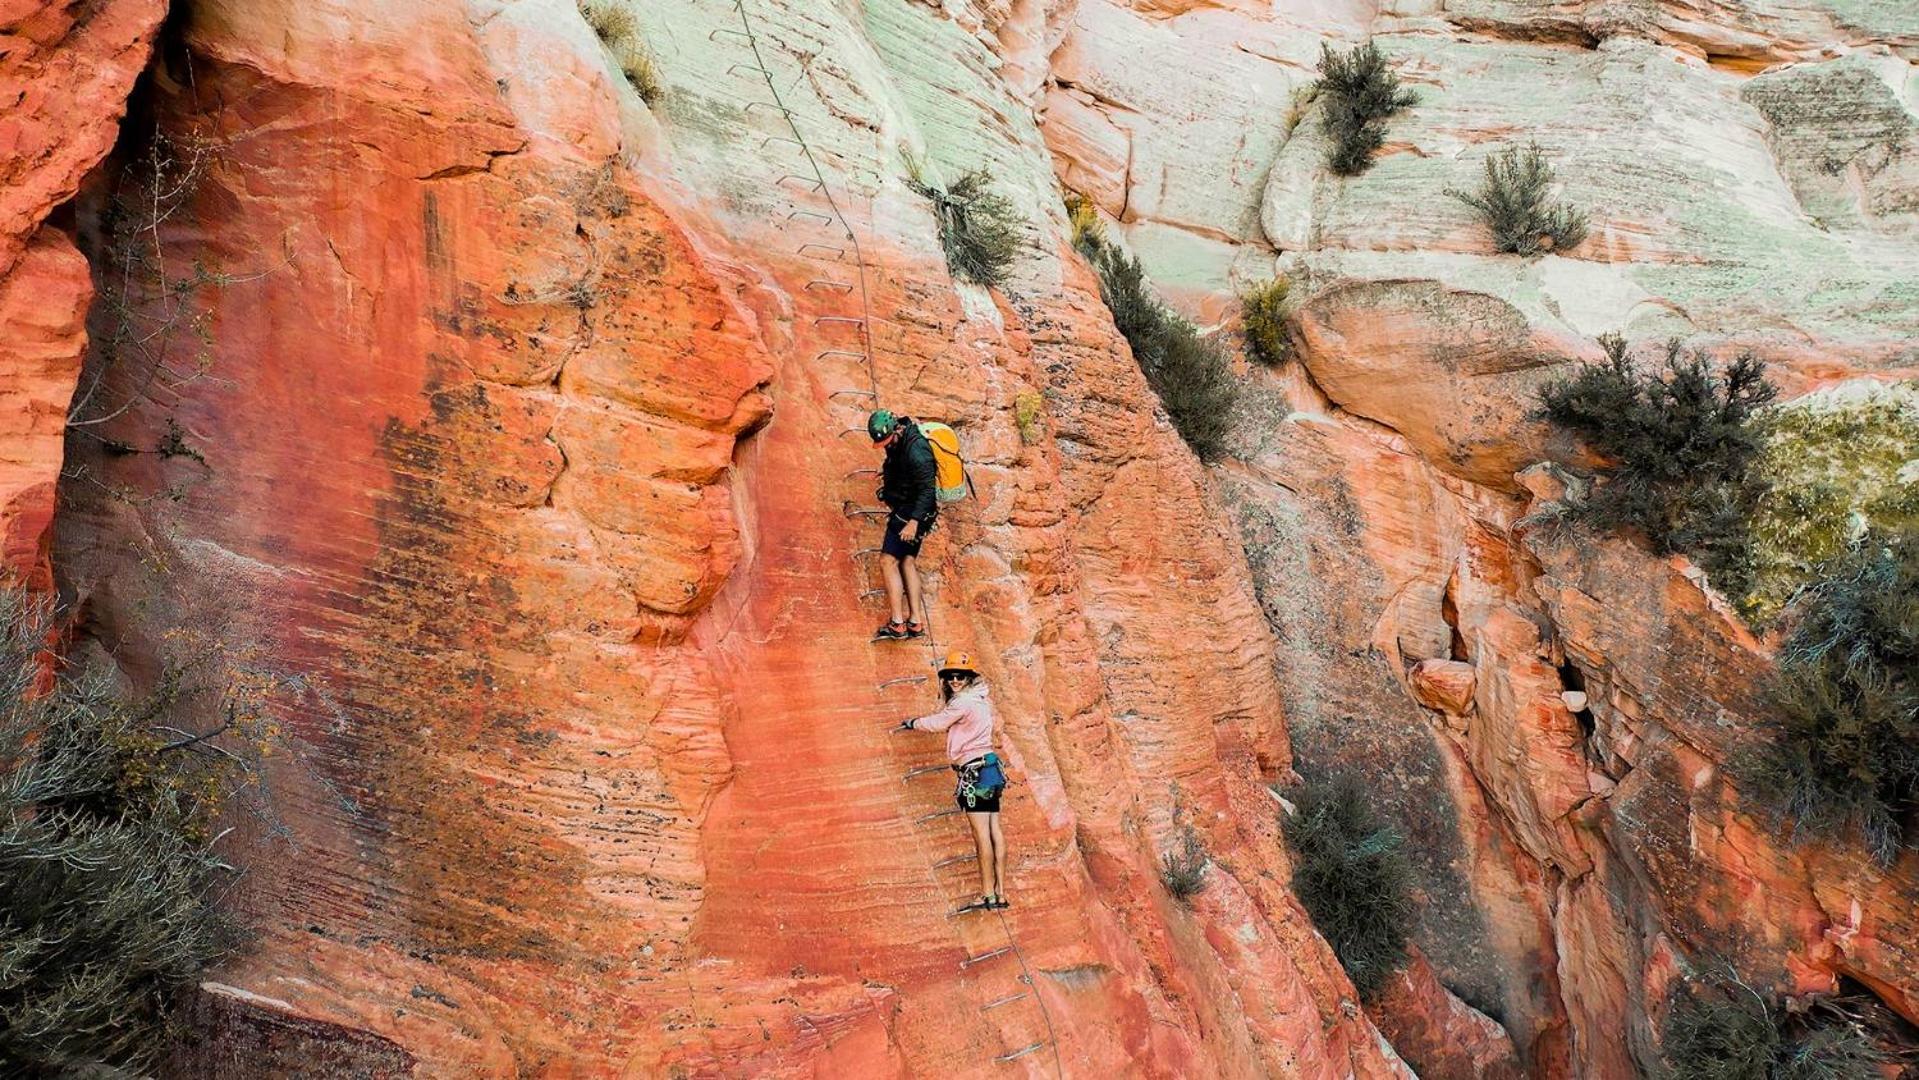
[[1000, 903], [916, 629], [984, 903], [892, 631]]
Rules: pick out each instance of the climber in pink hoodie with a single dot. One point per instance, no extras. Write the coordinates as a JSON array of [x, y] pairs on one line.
[[967, 719]]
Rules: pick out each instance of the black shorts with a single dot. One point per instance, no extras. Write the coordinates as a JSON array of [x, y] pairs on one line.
[[896, 547], [973, 798]]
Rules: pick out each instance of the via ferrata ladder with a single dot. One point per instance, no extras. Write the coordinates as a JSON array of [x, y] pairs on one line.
[[831, 285]]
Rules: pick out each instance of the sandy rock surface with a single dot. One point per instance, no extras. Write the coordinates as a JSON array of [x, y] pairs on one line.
[[524, 453]]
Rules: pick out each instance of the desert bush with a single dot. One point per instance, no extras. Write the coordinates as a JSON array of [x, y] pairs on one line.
[[1263, 321], [1358, 92], [1028, 405], [1513, 201], [1183, 870], [979, 227], [1353, 878], [1082, 217], [619, 29], [1843, 753], [1730, 1032], [106, 864], [1192, 375], [1679, 445]]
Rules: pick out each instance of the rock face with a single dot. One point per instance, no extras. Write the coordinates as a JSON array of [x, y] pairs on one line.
[[512, 439], [65, 72]]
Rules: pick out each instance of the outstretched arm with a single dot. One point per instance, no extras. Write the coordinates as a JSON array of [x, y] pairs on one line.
[[939, 721]]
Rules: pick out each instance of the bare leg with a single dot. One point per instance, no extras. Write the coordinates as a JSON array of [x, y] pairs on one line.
[[916, 603], [999, 857], [983, 841], [890, 570]]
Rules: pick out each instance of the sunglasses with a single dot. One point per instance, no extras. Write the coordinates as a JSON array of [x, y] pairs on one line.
[[952, 675]]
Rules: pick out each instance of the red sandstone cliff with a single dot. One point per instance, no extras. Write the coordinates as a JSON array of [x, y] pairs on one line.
[[523, 443]]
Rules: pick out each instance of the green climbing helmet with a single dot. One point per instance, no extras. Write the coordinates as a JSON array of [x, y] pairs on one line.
[[880, 423]]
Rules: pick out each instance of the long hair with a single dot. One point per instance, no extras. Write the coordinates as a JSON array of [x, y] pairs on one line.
[[946, 688]]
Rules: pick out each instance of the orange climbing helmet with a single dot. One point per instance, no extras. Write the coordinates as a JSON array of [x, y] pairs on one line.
[[958, 660]]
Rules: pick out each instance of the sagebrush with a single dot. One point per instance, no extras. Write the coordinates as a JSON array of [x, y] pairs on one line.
[[1728, 1031], [979, 227], [619, 29], [1263, 321], [1678, 443], [1191, 374], [107, 871], [1183, 870], [1357, 92], [1843, 753], [1515, 202], [1353, 878]]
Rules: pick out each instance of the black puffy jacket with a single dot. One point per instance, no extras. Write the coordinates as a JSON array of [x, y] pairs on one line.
[[909, 478]]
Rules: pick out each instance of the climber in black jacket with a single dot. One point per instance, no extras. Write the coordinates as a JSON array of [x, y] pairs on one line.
[[908, 482]]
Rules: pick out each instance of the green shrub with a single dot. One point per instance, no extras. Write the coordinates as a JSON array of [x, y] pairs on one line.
[[1353, 878], [1028, 405], [106, 867], [1183, 870], [1837, 464], [1844, 753], [1679, 444], [1358, 92], [619, 29], [1728, 1032], [1192, 375], [1082, 217], [979, 227], [1512, 201], [1262, 316]]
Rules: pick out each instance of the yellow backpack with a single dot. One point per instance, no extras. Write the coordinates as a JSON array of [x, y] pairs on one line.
[[953, 484]]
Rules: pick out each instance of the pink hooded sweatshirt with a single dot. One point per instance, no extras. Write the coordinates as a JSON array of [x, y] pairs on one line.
[[967, 721]]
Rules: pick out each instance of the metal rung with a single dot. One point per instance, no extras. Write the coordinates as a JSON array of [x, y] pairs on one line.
[[854, 393], [824, 353], [855, 472], [807, 180], [956, 860], [865, 551], [760, 71], [824, 220], [842, 286], [849, 508], [903, 680], [985, 956], [856, 320], [724, 30], [1020, 1053], [751, 105], [839, 253], [1007, 1000], [922, 771], [872, 592], [781, 138], [935, 814], [853, 431]]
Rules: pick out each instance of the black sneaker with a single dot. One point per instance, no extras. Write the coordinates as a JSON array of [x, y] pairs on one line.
[[1000, 903], [916, 629], [984, 903], [892, 631]]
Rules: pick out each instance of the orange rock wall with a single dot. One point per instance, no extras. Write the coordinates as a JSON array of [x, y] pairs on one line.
[[65, 72], [527, 465], [523, 458]]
